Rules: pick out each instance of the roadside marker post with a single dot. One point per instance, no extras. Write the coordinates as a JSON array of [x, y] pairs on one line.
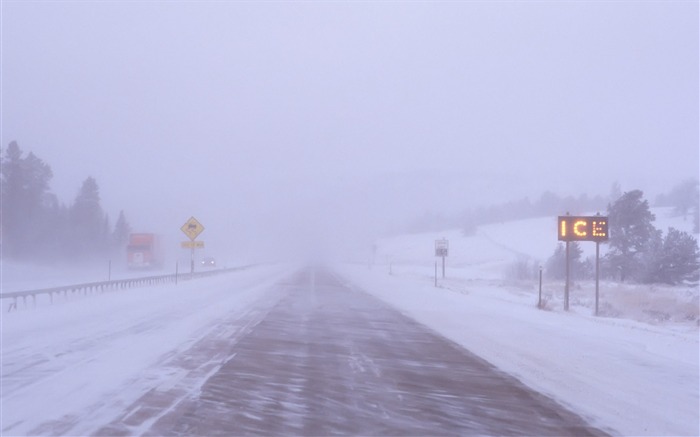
[[442, 250]]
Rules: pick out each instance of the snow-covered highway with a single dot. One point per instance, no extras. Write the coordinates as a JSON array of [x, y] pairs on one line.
[[285, 350], [331, 360]]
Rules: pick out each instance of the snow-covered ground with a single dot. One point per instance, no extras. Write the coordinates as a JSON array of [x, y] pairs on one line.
[[634, 369]]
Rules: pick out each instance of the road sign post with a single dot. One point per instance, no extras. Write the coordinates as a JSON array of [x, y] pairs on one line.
[[566, 284], [582, 228], [539, 300], [192, 228], [435, 273], [597, 274], [442, 250]]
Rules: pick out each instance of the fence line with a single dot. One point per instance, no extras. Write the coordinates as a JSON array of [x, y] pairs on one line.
[[117, 284]]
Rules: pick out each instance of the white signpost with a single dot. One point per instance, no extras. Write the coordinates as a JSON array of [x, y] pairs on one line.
[[442, 249]]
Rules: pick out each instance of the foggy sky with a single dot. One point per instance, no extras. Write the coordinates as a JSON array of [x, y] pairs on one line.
[[270, 118]]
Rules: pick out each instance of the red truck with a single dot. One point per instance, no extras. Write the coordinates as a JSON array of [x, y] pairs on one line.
[[144, 252]]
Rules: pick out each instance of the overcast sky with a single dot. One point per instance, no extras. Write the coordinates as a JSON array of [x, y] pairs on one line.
[[348, 113]]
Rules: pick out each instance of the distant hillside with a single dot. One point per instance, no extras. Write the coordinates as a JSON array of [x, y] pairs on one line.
[[499, 243]]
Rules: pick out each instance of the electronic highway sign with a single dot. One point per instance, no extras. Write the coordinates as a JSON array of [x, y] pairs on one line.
[[582, 228]]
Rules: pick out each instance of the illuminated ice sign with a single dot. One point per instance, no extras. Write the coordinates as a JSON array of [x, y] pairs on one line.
[[572, 228]]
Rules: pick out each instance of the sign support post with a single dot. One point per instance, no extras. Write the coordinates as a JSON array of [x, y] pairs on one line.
[[192, 261], [442, 248], [597, 274], [539, 300], [192, 228], [594, 228], [435, 274], [566, 284]]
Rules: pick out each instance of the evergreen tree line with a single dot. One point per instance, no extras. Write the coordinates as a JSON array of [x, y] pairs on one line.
[[36, 226], [638, 251]]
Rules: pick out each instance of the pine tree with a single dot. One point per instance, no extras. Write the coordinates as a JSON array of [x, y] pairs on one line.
[[556, 264], [631, 231], [55, 231], [11, 206], [87, 220], [122, 229], [106, 236], [25, 183]]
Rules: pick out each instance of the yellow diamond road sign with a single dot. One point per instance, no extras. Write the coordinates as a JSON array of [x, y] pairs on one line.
[[192, 228]]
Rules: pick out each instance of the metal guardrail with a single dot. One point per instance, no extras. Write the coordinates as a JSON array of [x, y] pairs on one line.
[[117, 284]]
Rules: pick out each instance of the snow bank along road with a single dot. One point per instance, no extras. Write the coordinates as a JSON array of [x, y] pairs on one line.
[[327, 359]]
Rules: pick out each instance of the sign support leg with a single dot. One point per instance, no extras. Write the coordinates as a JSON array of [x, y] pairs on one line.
[[566, 286], [443, 267], [597, 274], [539, 300], [192, 262]]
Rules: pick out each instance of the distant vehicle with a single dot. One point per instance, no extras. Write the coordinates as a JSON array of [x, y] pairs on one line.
[[209, 262], [144, 251]]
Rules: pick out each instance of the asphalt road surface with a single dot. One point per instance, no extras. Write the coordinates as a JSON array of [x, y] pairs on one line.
[[329, 360]]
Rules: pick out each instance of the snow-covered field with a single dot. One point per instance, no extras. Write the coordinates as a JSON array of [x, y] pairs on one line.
[[634, 370]]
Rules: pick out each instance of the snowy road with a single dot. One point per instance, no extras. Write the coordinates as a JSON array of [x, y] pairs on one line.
[[331, 360]]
